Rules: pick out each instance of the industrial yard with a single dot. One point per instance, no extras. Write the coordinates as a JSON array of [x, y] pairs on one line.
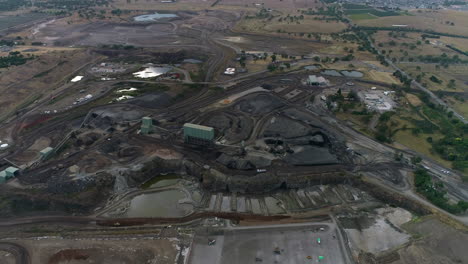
[[221, 132]]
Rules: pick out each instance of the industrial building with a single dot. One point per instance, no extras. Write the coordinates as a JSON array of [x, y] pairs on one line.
[[198, 134], [45, 153], [377, 100], [8, 173], [317, 81], [146, 125], [230, 71]]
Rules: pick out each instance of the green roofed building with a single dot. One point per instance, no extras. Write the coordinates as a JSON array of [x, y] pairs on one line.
[[8, 173], [11, 172], [146, 125], [45, 153], [2, 176], [198, 134]]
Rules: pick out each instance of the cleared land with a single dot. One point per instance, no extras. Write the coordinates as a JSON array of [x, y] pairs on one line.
[[54, 251], [438, 243]]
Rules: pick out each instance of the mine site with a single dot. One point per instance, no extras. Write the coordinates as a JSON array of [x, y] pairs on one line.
[[226, 131]]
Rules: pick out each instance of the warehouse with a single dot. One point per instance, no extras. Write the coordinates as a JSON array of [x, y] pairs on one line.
[[198, 134]]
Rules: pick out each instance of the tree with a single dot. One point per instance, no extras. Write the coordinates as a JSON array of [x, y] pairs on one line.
[[415, 160], [273, 58], [451, 84]]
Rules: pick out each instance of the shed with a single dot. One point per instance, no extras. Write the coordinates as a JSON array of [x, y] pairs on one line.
[[312, 80]]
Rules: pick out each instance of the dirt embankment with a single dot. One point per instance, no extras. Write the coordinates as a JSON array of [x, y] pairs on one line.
[[267, 182], [192, 217], [392, 198]]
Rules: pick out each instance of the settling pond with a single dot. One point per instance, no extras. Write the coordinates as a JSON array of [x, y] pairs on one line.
[[159, 204], [153, 17]]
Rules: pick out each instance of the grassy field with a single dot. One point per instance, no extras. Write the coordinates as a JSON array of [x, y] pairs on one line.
[[460, 107], [456, 72], [436, 20], [459, 43], [406, 45], [362, 16], [413, 99], [419, 144], [307, 25]]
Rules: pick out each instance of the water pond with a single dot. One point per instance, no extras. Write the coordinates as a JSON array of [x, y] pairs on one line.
[[153, 17], [331, 73], [159, 204], [354, 74]]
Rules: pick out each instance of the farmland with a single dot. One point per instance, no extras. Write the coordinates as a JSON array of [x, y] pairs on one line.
[[445, 21], [287, 23], [353, 9]]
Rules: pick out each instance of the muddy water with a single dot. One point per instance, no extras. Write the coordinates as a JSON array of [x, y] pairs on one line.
[[159, 204]]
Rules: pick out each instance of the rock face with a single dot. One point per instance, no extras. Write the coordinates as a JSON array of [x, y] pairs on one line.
[[131, 151], [235, 162], [155, 167]]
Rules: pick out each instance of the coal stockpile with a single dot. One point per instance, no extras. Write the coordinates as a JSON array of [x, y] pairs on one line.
[[259, 104], [311, 155], [235, 128], [152, 101], [285, 128]]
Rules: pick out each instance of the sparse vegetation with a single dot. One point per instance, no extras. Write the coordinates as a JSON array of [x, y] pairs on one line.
[[13, 59]]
